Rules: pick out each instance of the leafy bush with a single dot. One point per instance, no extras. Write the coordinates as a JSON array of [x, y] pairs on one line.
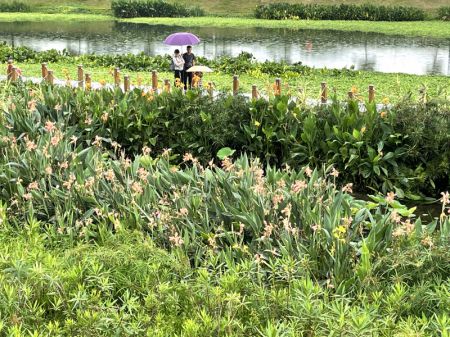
[[283, 11], [14, 6], [444, 13], [403, 148], [151, 8]]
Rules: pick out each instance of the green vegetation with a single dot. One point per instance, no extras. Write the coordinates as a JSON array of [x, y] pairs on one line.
[[435, 29], [366, 12], [40, 17], [152, 8], [98, 237], [14, 6], [214, 7], [444, 13], [403, 148]]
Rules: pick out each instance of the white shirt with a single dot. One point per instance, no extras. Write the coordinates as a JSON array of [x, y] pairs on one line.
[[178, 61]]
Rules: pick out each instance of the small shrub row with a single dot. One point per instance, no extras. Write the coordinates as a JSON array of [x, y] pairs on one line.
[[151, 8], [14, 6], [283, 11]]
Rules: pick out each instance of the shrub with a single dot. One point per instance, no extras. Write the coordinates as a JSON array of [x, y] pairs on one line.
[[404, 147], [15, 6], [444, 13], [151, 8], [282, 11]]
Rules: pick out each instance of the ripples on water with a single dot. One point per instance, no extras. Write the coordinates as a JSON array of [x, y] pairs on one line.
[[331, 49]]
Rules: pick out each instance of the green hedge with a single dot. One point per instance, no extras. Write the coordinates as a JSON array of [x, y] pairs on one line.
[[405, 147], [150, 8], [282, 11], [444, 13], [14, 6]]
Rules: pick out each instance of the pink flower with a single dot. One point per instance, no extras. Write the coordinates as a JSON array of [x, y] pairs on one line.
[[299, 186], [390, 197], [33, 186], [49, 126], [334, 173]]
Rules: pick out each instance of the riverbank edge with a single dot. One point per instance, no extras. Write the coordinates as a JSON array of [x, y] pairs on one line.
[[430, 29]]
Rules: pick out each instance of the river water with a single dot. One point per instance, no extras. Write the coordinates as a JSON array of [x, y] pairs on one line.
[[331, 49]]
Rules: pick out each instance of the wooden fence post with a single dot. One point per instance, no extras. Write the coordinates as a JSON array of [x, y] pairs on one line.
[[235, 85], [44, 70], [167, 85], [210, 89], [116, 77], [14, 74], [9, 69], [324, 92], [80, 76], [50, 77], [154, 80], [88, 80], [126, 83], [254, 92], [277, 87], [371, 93]]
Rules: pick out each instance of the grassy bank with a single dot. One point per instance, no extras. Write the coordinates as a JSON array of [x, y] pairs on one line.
[[392, 86], [42, 17], [434, 29]]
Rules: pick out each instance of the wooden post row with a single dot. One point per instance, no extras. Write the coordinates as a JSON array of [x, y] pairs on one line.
[[80, 76], [44, 70], [235, 85], [324, 93], [371, 93], [126, 83], [154, 80]]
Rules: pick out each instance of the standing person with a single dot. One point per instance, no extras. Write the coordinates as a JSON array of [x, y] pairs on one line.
[[189, 61], [178, 67]]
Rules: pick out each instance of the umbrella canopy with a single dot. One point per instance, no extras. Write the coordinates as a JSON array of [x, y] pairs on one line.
[[199, 69], [181, 39]]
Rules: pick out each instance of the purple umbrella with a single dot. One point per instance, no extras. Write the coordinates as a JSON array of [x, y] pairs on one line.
[[181, 39]]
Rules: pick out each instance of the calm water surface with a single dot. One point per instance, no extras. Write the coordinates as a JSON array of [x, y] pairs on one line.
[[365, 51]]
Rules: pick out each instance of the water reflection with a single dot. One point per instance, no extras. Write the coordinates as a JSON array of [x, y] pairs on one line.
[[329, 49]]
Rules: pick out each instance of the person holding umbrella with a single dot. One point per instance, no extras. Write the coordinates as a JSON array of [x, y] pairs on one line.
[[184, 39], [189, 62]]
